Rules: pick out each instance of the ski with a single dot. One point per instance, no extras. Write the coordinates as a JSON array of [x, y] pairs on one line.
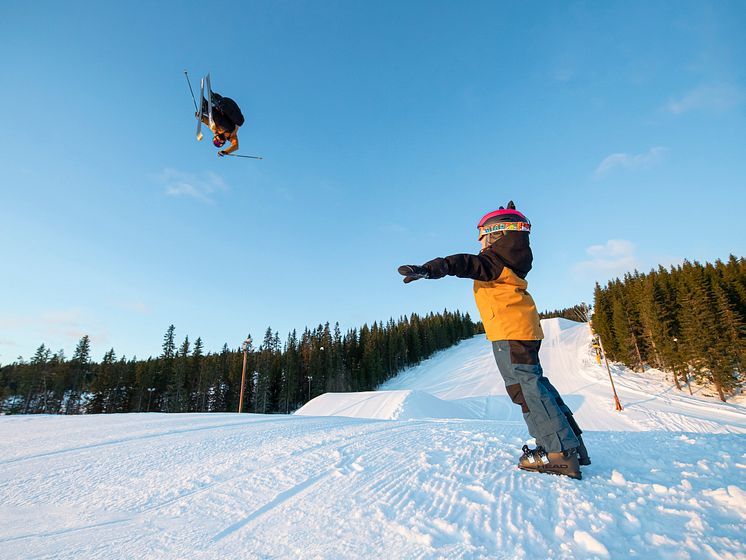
[[209, 102], [199, 113]]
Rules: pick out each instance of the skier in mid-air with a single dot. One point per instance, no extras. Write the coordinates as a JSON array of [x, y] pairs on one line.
[[511, 323], [226, 120]]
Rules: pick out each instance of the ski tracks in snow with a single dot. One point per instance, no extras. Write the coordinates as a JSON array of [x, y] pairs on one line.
[[271, 485], [314, 487], [668, 477], [383, 484]]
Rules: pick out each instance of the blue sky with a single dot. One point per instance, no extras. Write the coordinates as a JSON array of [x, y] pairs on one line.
[[388, 129]]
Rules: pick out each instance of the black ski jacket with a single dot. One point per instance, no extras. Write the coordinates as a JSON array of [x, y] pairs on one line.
[[512, 250], [507, 310]]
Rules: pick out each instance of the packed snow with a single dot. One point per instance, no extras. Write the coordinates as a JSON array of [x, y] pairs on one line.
[[424, 468]]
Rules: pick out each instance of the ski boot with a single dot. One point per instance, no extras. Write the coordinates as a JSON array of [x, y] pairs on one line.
[[563, 462]]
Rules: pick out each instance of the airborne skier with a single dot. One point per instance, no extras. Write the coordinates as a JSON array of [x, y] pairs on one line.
[[221, 114], [511, 323], [226, 120]]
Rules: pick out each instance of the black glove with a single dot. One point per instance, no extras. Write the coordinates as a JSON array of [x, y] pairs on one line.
[[412, 272], [221, 153]]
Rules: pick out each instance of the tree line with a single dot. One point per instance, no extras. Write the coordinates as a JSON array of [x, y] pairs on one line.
[[689, 320], [579, 312], [281, 377]]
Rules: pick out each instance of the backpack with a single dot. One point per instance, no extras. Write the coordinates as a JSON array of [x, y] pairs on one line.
[[229, 108]]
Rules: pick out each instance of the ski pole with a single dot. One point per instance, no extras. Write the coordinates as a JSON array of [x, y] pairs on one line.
[[191, 91], [240, 155]]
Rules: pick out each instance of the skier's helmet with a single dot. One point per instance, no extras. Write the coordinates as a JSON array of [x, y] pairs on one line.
[[503, 220], [218, 141]]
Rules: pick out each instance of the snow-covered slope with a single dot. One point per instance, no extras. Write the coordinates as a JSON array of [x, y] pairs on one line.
[[668, 478], [467, 384]]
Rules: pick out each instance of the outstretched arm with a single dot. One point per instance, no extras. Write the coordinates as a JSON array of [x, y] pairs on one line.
[[233, 139], [485, 266]]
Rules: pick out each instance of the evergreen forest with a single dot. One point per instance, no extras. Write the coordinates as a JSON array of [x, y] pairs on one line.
[[280, 377], [579, 312], [689, 320]]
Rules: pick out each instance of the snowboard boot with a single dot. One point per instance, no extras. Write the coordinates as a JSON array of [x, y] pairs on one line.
[[583, 457], [563, 462]]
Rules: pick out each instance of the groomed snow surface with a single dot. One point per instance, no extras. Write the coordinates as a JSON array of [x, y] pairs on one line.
[[424, 468]]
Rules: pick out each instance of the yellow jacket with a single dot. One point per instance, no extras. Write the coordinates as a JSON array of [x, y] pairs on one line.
[[508, 311]]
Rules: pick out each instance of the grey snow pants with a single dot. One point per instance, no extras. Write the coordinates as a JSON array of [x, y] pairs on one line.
[[548, 418]]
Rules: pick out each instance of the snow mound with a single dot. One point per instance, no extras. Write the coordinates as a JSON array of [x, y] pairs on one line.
[[384, 405]]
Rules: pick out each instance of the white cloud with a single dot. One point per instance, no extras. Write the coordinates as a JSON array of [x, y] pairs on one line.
[[629, 161], [709, 97], [71, 324], [139, 307], [611, 259], [200, 187], [60, 325], [564, 68], [285, 193], [393, 228]]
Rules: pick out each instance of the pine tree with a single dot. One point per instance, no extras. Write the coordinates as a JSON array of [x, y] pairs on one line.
[[166, 360], [196, 374], [326, 357], [275, 374], [291, 389], [34, 383], [601, 320], [102, 386], [732, 324], [339, 371], [125, 376], [56, 382], [263, 374], [80, 368], [177, 389]]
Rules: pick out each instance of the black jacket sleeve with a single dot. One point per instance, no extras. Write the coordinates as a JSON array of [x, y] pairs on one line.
[[486, 266]]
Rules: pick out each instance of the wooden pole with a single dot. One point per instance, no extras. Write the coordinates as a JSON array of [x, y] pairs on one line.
[[245, 345], [617, 404]]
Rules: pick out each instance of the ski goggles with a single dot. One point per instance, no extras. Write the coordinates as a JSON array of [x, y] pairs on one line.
[[504, 226]]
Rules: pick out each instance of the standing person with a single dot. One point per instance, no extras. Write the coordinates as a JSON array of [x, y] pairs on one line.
[[227, 119], [511, 323]]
